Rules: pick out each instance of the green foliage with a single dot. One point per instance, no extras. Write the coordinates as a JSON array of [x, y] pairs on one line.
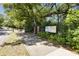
[[72, 34], [1, 20], [44, 35], [33, 14], [53, 38], [56, 39], [14, 23], [74, 39], [29, 16], [72, 19]]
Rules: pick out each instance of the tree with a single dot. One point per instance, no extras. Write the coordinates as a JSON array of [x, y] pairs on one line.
[[31, 13], [35, 14], [72, 19], [1, 20]]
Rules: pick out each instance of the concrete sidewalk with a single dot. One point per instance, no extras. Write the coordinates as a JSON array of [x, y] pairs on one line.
[[62, 52], [40, 50]]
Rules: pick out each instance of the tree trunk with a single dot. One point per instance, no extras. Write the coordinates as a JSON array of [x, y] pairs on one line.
[[34, 30], [13, 29], [57, 31], [35, 27], [38, 29]]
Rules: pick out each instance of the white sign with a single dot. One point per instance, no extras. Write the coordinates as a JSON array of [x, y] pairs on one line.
[[50, 29]]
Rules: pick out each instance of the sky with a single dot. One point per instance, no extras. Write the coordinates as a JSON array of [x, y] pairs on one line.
[[1, 9]]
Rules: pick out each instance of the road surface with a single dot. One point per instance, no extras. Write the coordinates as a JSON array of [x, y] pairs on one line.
[[35, 47]]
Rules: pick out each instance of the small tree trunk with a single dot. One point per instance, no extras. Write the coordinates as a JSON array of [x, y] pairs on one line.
[[38, 29], [35, 25], [57, 28], [13, 29], [34, 30]]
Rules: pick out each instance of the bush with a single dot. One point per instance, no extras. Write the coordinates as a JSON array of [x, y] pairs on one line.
[[56, 39], [60, 39], [53, 38], [75, 39], [72, 38], [44, 35]]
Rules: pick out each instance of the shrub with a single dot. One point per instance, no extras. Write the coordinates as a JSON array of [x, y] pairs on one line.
[[60, 39], [75, 39], [56, 39], [68, 37], [72, 38], [52, 38], [43, 35]]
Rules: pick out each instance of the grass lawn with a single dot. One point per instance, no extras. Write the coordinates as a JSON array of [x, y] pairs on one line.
[[17, 50]]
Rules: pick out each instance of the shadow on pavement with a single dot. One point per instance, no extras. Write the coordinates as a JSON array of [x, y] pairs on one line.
[[4, 32]]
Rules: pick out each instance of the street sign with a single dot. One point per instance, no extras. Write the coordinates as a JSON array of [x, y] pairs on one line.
[[51, 29]]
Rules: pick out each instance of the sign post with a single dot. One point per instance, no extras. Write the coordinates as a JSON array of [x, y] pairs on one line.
[[51, 29]]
